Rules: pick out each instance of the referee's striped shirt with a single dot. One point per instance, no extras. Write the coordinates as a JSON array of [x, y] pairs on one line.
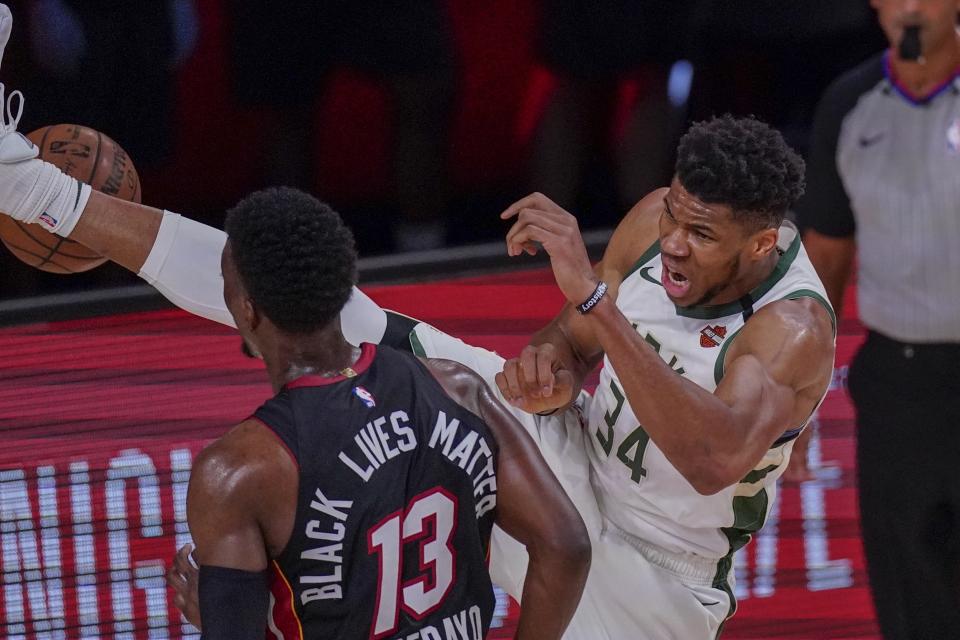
[[886, 167]]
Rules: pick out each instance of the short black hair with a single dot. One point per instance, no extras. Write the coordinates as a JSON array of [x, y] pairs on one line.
[[742, 163], [295, 256]]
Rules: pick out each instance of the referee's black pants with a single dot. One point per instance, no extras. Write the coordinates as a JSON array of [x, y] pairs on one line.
[[908, 455]]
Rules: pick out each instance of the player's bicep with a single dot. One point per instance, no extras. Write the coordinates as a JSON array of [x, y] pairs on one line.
[[222, 523], [761, 404], [778, 368]]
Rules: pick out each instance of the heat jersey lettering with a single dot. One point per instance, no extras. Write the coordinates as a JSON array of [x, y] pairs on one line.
[[327, 529], [376, 444], [471, 453], [463, 625]]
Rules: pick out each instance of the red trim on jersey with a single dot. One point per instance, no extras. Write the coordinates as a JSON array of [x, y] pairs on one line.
[[284, 609], [279, 439], [367, 353]]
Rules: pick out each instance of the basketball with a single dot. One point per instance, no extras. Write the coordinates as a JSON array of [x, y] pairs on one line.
[[88, 156]]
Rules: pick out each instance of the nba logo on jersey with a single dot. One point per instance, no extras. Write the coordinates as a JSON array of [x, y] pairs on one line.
[[365, 397], [953, 137], [712, 336]]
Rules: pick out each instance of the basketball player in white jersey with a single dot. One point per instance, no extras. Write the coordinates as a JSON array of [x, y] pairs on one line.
[[719, 399], [717, 344]]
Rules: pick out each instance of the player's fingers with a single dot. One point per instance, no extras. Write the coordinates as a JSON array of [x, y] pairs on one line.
[[182, 560], [532, 201], [546, 358], [529, 371], [527, 237], [511, 375], [550, 221], [502, 385], [554, 227], [526, 217], [175, 580], [562, 382]]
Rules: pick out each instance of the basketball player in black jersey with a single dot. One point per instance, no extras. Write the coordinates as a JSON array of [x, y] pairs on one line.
[[358, 501]]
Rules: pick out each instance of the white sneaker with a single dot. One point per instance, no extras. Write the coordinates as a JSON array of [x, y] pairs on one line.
[[6, 25], [15, 147]]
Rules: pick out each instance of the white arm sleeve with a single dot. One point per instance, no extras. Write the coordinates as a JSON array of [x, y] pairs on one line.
[[184, 265]]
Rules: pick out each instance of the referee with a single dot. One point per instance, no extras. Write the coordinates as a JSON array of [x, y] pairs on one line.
[[884, 187]]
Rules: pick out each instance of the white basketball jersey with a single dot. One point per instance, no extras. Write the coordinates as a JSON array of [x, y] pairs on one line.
[[639, 491]]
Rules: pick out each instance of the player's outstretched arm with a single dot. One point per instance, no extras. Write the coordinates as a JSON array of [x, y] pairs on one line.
[[532, 507], [178, 256], [239, 487]]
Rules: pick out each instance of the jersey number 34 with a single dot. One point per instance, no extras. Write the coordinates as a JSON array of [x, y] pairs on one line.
[[631, 450]]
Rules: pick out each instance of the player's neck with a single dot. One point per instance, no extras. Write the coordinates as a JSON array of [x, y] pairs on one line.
[[935, 67], [325, 353], [748, 280]]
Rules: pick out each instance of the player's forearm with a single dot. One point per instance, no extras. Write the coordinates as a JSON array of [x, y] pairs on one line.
[[120, 230], [697, 432], [552, 589]]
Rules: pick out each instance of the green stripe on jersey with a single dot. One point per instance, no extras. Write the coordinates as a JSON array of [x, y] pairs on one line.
[[718, 366], [810, 293], [644, 258], [758, 474], [749, 514], [711, 312], [416, 346]]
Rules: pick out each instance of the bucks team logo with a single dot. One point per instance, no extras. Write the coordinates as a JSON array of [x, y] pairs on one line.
[[712, 336], [365, 397]]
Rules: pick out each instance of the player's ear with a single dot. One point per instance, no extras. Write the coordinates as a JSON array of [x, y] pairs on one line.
[[251, 314], [764, 242]]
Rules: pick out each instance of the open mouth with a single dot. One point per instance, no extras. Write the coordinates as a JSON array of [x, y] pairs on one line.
[[676, 284]]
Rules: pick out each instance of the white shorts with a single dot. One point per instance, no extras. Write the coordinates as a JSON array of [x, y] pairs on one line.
[[634, 591]]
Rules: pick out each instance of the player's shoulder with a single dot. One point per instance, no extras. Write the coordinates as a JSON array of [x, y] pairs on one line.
[[241, 459], [636, 233], [796, 333], [463, 385]]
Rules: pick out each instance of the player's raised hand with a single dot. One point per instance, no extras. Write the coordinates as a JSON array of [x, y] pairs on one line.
[[540, 221], [535, 381]]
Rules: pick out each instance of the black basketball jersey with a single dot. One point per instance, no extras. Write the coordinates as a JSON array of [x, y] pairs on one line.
[[394, 511]]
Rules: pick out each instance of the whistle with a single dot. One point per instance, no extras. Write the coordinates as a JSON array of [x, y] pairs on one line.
[[910, 46]]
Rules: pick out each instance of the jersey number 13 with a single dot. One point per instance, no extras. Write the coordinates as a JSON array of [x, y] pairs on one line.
[[423, 594]]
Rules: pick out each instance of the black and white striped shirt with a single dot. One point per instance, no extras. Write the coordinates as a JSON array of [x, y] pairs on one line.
[[885, 166]]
